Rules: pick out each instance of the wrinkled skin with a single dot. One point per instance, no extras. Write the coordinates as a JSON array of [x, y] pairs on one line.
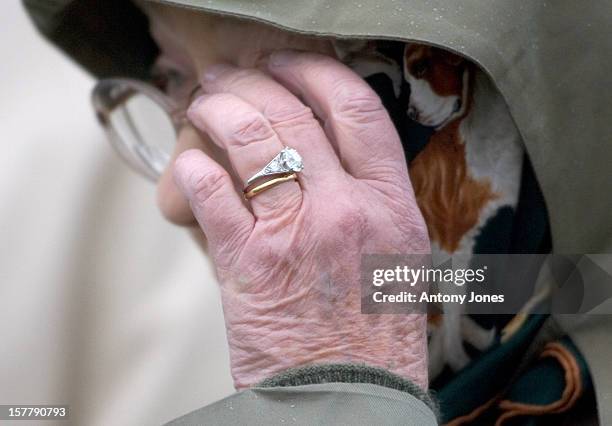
[[288, 261]]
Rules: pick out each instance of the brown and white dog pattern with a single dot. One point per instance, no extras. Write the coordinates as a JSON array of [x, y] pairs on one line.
[[468, 170]]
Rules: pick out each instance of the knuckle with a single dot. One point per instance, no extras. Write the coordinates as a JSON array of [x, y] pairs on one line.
[[357, 102], [280, 112], [250, 127], [207, 184], [387, 172]]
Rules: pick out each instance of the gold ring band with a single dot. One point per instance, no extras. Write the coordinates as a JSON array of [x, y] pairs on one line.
[[258, 189]]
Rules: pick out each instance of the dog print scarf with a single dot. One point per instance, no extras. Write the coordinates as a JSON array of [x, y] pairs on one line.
[[477, 191]]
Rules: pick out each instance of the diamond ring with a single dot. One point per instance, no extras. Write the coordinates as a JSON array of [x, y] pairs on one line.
[[251, 191], [286, 161]]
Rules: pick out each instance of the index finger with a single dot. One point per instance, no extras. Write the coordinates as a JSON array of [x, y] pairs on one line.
[[355, 119]]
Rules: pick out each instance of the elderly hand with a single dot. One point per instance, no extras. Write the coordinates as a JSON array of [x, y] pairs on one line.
[[289, 266]]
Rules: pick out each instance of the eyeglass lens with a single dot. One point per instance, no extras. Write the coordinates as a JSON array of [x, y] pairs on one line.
[[147, 135]]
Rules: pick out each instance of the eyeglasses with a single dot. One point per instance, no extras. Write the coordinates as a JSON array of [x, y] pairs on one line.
[[142, 123]]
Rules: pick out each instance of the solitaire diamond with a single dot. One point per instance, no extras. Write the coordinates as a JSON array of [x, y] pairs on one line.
[[292, 160], [288, 160]]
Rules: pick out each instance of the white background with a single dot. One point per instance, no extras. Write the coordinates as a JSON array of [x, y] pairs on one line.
[[103, 305]]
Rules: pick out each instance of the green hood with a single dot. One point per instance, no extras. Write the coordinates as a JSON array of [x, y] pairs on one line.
[[552, 62]]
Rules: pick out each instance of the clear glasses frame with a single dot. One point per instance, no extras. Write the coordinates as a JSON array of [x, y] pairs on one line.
[[141, 122]]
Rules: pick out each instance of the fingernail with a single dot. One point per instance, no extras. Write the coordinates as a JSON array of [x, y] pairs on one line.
[[214, 71], [280, 58], [192, 111]]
